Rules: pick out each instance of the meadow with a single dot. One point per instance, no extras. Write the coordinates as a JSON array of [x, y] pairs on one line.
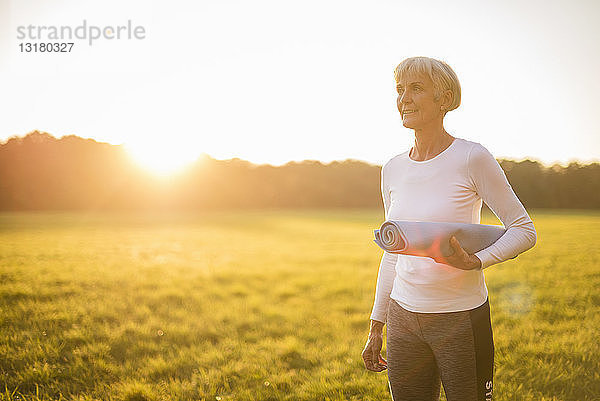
[[262, 305]]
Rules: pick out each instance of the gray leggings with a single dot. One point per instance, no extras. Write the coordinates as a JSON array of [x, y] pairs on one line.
[[456, 348]]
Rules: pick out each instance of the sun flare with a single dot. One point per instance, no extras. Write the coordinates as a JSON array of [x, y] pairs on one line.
[[162, 159]]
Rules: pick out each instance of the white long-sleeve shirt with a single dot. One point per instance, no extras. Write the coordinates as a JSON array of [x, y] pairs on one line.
[[447, 188]]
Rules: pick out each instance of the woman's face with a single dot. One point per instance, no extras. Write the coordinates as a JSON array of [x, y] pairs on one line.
[[416, 102]]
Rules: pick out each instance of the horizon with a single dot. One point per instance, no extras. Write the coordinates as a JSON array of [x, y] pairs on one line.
[[325, 162]]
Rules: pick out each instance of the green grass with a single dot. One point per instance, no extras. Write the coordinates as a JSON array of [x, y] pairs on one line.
[[267, 305]]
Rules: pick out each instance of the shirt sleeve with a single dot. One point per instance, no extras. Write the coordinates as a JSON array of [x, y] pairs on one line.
[[491, 185], [387, 267]]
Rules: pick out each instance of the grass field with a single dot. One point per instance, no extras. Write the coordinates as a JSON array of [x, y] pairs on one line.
[[270, 305]]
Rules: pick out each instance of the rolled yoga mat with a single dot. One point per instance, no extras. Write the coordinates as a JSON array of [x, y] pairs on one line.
[[419, 238]]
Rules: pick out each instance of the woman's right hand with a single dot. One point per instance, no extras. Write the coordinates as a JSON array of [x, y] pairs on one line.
[[371, 355]]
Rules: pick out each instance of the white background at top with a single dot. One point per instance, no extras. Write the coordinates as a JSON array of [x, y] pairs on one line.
[[273, 81]]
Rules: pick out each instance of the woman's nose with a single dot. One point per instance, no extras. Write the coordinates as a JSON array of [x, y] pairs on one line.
[[404, 97]]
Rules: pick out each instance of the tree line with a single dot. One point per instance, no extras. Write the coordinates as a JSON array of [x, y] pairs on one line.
[[41, 172]]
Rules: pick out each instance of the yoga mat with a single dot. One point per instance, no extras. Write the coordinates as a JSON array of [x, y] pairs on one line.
[[419, 238]]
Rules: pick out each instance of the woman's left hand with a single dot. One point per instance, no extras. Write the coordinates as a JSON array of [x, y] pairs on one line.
[[460, 258]]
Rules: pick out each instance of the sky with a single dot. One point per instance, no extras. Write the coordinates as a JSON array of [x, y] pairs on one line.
[[275, 81]]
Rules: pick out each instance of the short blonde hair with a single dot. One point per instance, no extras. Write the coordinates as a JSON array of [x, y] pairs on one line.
[[441, 74]]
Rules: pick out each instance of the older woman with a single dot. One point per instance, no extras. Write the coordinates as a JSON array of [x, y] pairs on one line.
[[437, 311]]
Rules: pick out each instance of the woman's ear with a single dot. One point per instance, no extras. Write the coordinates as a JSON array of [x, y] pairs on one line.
[[446, 100]]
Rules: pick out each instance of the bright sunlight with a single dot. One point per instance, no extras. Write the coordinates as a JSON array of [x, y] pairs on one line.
[[162, 158]]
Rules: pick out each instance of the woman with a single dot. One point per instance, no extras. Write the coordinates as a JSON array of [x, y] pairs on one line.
[[437, 311]]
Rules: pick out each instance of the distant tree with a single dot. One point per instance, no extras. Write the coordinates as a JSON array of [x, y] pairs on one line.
[[40, 172]]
